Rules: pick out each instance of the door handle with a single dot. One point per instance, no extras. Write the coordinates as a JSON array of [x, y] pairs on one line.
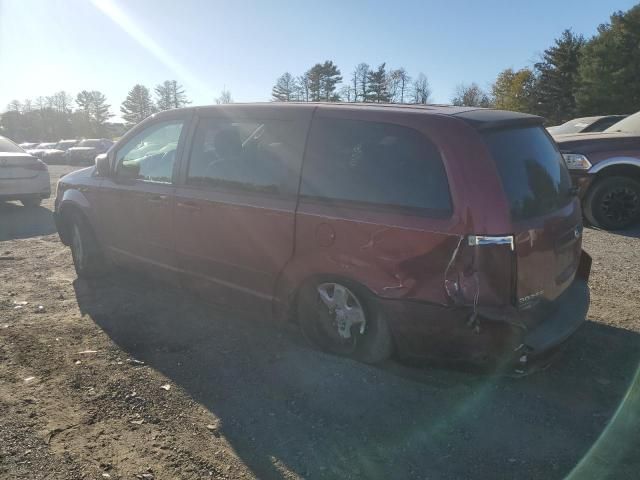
[[189, 205]]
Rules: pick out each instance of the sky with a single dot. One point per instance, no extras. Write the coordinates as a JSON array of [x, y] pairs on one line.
[[243, 46]]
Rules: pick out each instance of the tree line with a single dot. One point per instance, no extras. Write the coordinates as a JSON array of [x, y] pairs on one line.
[[579, 77], [324, 82], [573, 77], [87, 115]]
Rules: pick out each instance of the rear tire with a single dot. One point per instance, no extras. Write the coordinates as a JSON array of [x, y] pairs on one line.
[[31, 202], [88, 259], [367, 340], [613, 203]]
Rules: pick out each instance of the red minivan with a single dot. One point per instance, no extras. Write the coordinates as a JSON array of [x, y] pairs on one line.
[[433, 231]]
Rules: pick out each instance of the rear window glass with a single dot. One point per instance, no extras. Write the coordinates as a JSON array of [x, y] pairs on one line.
[[8, 146], [375, 163], [533, 174]]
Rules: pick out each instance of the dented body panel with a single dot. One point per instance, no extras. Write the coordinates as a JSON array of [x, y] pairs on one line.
[[467, 284]]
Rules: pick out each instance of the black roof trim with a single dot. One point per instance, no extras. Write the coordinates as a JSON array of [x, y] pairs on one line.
[[489, 119]]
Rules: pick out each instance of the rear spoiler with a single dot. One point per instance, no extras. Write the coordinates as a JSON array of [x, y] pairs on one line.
[[489, 119]]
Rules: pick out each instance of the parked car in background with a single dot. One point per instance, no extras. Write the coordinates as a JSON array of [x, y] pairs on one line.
[[58, 154], [605, 168], [585, 124], [28, 145], [40, 149], [84, 153], [22, 176], [437, 231]]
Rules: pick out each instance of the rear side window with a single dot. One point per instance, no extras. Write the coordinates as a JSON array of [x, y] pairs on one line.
[[375, 163], [533, 174]]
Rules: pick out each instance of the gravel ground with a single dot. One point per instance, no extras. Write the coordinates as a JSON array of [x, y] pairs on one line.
[[131, 379]]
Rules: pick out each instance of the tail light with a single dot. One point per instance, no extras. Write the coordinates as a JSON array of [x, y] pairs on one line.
[[38, 165]]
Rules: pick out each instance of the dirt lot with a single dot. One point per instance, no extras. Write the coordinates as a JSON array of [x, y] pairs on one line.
[[131, 379]]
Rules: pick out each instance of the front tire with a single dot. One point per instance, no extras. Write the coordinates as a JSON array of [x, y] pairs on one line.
[[613, 203], [343, 318], [88, 258]]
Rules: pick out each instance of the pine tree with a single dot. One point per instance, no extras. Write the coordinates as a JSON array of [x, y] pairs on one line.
[[377, 85], [285, 88], [321, 81], [137, 106], [170, 95], [95, 110], [609, 69], [557, 78]]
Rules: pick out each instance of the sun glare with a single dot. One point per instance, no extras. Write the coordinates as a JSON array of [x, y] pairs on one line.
[[120, 18]]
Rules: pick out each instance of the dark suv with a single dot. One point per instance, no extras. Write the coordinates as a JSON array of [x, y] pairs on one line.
[[85, 152], [606, 169], [437, 231]]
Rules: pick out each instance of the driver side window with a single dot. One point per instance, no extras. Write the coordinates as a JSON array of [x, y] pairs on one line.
[[151, 154]]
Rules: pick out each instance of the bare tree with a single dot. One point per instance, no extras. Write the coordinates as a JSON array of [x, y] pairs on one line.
[[421, 89], [399, 81], [346, 93], [302, 89], [14, 106], [61, 102], [225, 97], [360, 82], [471, 96]]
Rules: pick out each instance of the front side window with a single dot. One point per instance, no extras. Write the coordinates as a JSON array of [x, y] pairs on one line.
[[251, 155], [375, 163], [151, 154]]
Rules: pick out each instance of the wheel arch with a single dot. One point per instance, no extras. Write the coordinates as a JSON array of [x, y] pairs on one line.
[[289, 286], [621, 166], [67, 211]]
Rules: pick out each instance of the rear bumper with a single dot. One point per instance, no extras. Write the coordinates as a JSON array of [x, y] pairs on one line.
[[500, 335], [15, 189]]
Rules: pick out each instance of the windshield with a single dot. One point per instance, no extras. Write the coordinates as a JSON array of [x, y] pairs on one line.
[[65, 144], [7, 145], [572, 126], [532, 171], [89, 143], [631, 124]]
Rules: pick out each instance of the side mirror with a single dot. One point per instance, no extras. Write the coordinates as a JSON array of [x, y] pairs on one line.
[[103, 165]]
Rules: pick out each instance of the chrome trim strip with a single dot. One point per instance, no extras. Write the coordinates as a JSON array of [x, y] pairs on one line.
[[614, 161], [477, 240]]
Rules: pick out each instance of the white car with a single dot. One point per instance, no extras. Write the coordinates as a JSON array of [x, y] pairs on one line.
[[22, 176]]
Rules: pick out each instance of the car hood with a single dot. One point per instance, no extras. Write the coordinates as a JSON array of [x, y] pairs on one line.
[[585, 143], [78, 175]]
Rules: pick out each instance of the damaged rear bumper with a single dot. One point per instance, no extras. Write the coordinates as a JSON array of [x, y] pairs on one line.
[[500, 335]]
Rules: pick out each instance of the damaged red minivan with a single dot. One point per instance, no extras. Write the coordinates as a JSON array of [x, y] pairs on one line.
[[434, 231]]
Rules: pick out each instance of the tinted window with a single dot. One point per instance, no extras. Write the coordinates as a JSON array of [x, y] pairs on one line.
[[602, 124], [252, 155], [151, 154], [377, 163], [533, 173]]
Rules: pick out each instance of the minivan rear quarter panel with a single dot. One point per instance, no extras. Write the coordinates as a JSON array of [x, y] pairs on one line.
[[400, 254]]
